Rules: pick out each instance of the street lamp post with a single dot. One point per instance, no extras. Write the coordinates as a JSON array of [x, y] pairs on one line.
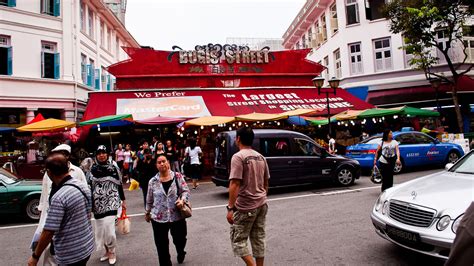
[[436, 83], [333, 85]]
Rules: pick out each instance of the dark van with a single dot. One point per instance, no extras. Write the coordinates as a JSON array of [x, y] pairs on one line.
[[293, 158]]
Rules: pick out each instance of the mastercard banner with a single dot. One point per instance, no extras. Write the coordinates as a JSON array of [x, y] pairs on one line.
[[187, 106]]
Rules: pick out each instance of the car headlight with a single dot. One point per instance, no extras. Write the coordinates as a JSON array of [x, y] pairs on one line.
[[385, 207], [443, 223], [378, 203], [456, 223]]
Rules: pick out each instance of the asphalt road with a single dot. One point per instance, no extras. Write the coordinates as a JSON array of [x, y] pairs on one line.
[[306, 225]]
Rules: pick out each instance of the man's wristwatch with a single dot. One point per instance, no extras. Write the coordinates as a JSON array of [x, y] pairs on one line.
[[230, 209], [34, 256]]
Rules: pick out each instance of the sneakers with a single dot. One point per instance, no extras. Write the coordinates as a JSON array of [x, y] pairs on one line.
[[112, 259], [104, 258], [181, 257]]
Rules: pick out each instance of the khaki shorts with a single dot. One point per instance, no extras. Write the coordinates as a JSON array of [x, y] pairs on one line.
[[249, 224]]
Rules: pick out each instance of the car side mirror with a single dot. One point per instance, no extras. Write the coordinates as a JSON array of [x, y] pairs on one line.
[[448, 166]]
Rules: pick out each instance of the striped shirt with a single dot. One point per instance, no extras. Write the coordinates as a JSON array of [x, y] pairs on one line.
[[68, 218]]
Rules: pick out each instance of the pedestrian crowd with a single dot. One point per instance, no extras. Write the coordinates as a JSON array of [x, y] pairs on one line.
[[72, 195]]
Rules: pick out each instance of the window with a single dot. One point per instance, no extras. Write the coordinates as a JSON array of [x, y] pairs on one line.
[[117, 48], [90, 72], [6, 55], [374, 9], [383, 54], [323, 27], [274, 147], [297, 45], [91, 23], [84, 68], [423, 139], [326, 71], [355, 58], [109, 39], [468, 40], [103, 78], [303, 41], [306, 148], [334, 25], [83, 16], [102, 33], [10, 3], [49, 61], [310, 35], [50, 7], [442, 38], [408, 56], [318, 34], [337, 63], [352, 12], [405, 139]]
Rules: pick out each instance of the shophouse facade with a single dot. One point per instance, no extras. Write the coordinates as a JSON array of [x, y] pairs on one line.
[[53, 53], [352, 39]]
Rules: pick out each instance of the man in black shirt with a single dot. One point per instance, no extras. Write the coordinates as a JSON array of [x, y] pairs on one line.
[[146, 169], [172, 156]]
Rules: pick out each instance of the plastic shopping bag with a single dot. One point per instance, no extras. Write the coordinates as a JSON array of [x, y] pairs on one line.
[[123, 224], [133, 185], [375, 176]]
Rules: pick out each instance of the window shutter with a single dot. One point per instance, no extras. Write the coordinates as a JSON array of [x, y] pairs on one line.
[[9, 61], [56, 65], [56, 8], [97, 78], [42, 64], [89, 75], [108, 82], [11, 3]]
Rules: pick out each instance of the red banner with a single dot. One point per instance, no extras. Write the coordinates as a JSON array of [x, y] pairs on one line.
[[223, 102]]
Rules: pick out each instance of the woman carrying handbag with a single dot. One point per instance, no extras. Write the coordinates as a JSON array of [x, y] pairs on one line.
[[389, 156], [167, 195]]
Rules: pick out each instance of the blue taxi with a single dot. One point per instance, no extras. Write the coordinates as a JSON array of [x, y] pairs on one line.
[[416, 149]]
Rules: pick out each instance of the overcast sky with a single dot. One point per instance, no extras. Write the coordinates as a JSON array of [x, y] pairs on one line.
[[186, 23]]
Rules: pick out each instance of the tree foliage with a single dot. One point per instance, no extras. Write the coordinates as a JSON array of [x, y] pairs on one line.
[[419, 21]]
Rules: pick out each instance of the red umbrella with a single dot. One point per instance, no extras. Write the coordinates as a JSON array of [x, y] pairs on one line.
[[159, 120], [39, 117]]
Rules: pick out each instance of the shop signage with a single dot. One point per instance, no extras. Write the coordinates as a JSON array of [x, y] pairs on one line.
[[213, 54]]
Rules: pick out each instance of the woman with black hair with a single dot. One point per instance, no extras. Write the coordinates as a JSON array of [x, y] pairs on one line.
[[390, 155], [194, 152]]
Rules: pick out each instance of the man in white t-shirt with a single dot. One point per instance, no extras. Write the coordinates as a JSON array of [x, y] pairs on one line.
[[194, 152]]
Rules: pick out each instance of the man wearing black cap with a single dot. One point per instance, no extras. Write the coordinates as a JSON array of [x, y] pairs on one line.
[[107, 194]]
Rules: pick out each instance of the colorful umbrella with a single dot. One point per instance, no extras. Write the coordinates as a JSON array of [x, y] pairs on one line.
[[109, 120], [209, 120], [348, 115], [377, 112], [319, 121], [260, 117], [7, 129], [47, 125], [412, 111], [38, 117], [160, 120]]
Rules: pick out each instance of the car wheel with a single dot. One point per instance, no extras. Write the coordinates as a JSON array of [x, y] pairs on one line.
[[345, 176], [31, 209], [452, 157], [399, 167]]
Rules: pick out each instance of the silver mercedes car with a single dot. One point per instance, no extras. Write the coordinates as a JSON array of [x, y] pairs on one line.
[[423, 214]]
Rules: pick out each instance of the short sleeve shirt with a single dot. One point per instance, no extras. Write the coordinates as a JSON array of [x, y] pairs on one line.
[[251, 168], [68, 218], [388, 150], [194, 154]]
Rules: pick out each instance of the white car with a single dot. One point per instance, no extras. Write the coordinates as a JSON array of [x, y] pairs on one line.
[[423, 214]]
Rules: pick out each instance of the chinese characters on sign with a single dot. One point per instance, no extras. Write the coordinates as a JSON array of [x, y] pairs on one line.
[[231, 54]]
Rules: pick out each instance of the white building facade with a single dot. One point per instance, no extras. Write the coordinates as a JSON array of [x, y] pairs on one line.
[[352, 39], [52, 53]]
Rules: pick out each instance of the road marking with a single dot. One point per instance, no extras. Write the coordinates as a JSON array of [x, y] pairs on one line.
[[329, 193]]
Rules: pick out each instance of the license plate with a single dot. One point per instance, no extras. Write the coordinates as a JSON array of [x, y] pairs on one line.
[[405, 236]]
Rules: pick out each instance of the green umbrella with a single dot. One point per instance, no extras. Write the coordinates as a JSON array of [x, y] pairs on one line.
[[320, 122], [107, 119], [378, 112], [412, 111]]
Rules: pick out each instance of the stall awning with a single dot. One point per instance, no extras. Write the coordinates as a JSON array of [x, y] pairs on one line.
[[192, 103]]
